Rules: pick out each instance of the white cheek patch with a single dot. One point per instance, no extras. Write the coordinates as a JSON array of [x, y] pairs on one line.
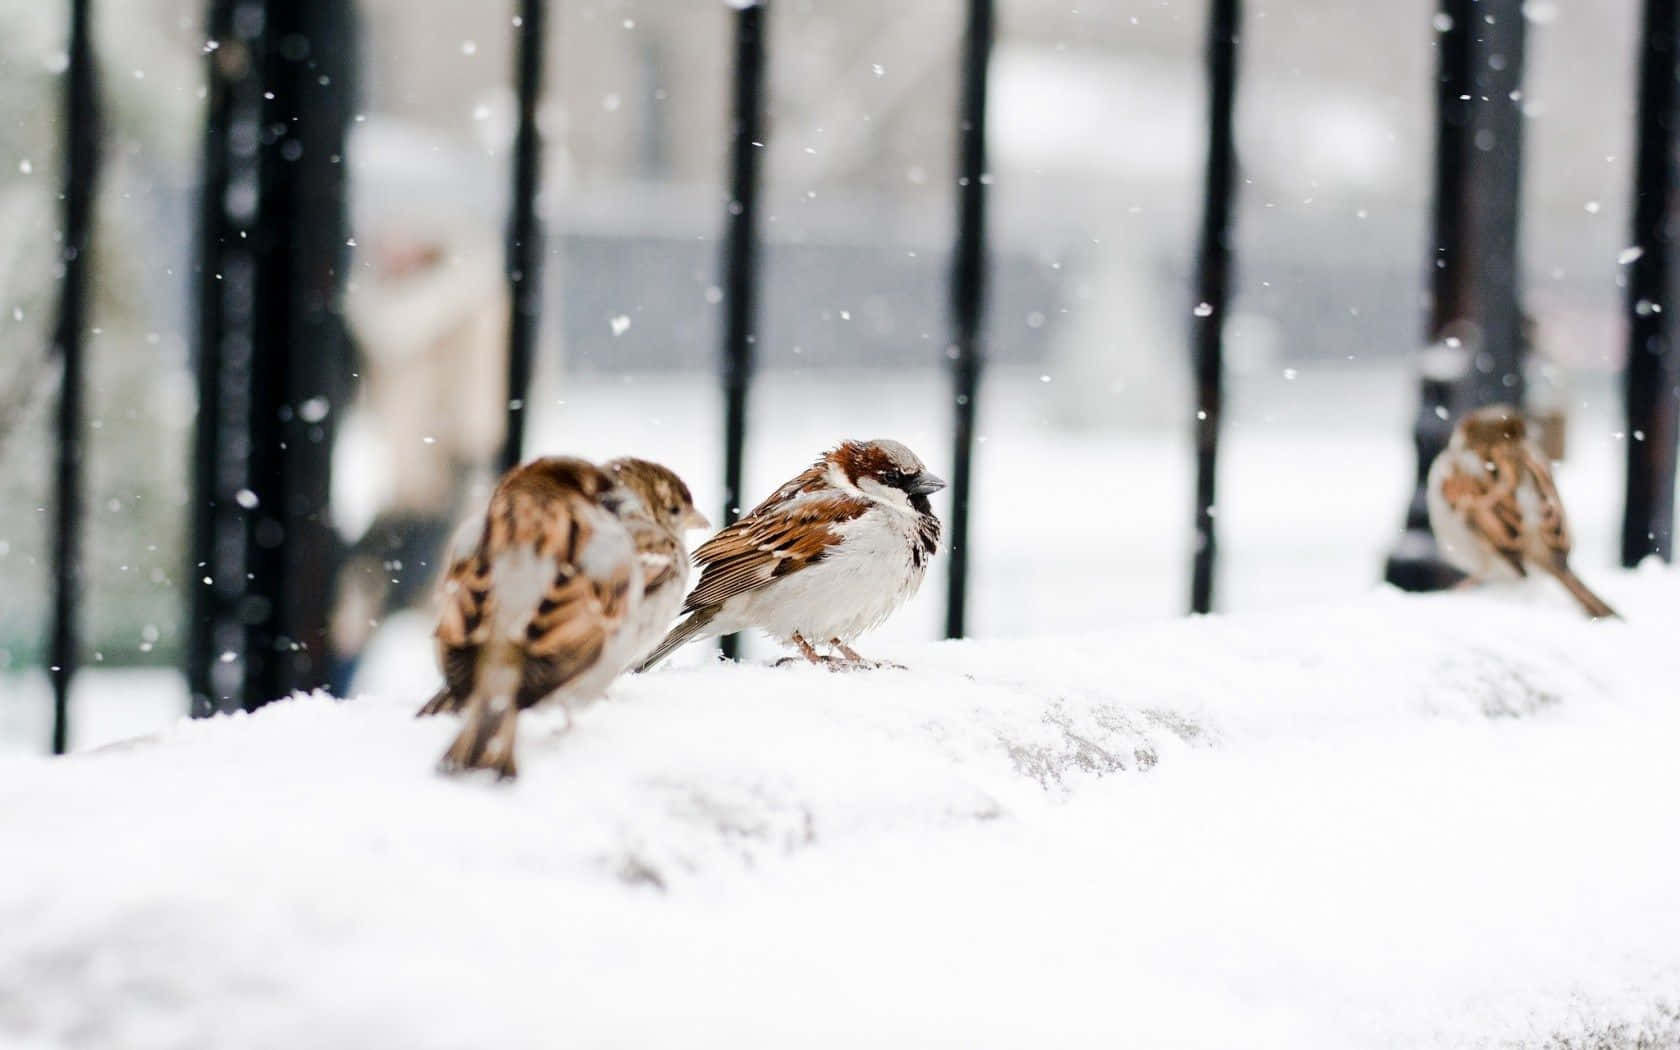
[[883, 493]]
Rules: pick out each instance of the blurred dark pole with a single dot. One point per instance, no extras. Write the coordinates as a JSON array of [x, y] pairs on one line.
[[1474, 329], [525, 235], [968, 297], [222, 354], [1213, 285], [81, 171], [273, 351], [740, 257], [1653, 295]]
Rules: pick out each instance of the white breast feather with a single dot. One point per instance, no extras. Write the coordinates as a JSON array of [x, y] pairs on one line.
[[859, 582]]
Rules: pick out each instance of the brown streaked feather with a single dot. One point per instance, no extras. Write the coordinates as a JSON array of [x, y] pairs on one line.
[[1553, 527], [656, 519], [661, 563], [660, 552], [465, 596], [773, 541], [811, 479], [536, 506], [574, 620], [1489, 505]]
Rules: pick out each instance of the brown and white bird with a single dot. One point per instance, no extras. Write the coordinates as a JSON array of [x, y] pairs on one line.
[[830, 555], [1494, 509], [657, 515], [534, 600]]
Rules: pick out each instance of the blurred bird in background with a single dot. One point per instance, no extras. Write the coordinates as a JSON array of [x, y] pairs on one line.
[[1495, 510], [535, 605], [658, 514]]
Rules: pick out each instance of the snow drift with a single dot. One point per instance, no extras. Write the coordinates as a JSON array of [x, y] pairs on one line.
[[1399, 822]]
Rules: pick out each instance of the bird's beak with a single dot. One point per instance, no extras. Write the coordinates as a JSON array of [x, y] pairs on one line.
[[924, 483], [695, 520]]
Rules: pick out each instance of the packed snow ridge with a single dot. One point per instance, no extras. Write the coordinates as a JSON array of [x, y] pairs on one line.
[[1400, 821]]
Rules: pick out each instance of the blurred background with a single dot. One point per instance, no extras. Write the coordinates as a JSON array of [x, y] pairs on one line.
[[1097, 133]]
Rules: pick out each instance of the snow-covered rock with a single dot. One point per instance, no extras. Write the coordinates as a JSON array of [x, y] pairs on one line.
[[1399, 821]]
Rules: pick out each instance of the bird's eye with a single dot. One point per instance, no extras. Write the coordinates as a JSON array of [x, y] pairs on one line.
[[675, 510]]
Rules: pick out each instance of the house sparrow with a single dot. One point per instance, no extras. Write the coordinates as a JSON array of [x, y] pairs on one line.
[[828, 556], [657, 515], [534, 599], [1494, 509]]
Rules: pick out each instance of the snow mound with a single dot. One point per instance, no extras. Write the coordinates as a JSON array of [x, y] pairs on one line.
[[1395, 822]]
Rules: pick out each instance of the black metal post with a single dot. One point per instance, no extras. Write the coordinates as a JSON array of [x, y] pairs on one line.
[[273, 352], [1475, 321], [525, 235], [740, 257], [1653, 295], [968, 298], [81, 169], [223, 353], [1213, 285]]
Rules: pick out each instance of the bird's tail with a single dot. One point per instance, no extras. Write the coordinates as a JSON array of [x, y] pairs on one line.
[[488, 726], [442, 701], [693, 626], [1596, 607]]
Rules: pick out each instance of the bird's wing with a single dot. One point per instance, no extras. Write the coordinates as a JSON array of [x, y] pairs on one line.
[[584, 603], [576, 610], [464, 600], [1552, 528], [811, 480], [1488, 504], [773, 541]]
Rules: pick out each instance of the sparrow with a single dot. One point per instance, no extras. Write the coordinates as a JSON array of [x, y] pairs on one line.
[[534, 599], [830, 555], [657, 515], [1494, 509]]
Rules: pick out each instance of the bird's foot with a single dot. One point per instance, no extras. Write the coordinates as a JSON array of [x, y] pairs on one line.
[[802, 661], [808, 654]]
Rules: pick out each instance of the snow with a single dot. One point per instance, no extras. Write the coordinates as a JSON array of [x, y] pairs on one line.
[[1391, 820], [106, 705]]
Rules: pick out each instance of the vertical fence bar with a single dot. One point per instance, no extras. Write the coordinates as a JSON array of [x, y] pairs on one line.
[[1474, 328], [273, 351], [968, 298], [227, 201], [740, 256], [1653, 295], [302, 363], [81, 164], [525, 235], [1213, 285]]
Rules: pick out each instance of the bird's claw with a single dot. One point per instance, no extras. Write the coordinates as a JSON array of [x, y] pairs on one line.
[[840, 663]]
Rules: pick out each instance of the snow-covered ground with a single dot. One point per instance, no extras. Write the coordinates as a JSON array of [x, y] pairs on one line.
[[1386, 821]]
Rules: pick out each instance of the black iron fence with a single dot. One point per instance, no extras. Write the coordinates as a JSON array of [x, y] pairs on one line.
[[273, 254], [272, 354]]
